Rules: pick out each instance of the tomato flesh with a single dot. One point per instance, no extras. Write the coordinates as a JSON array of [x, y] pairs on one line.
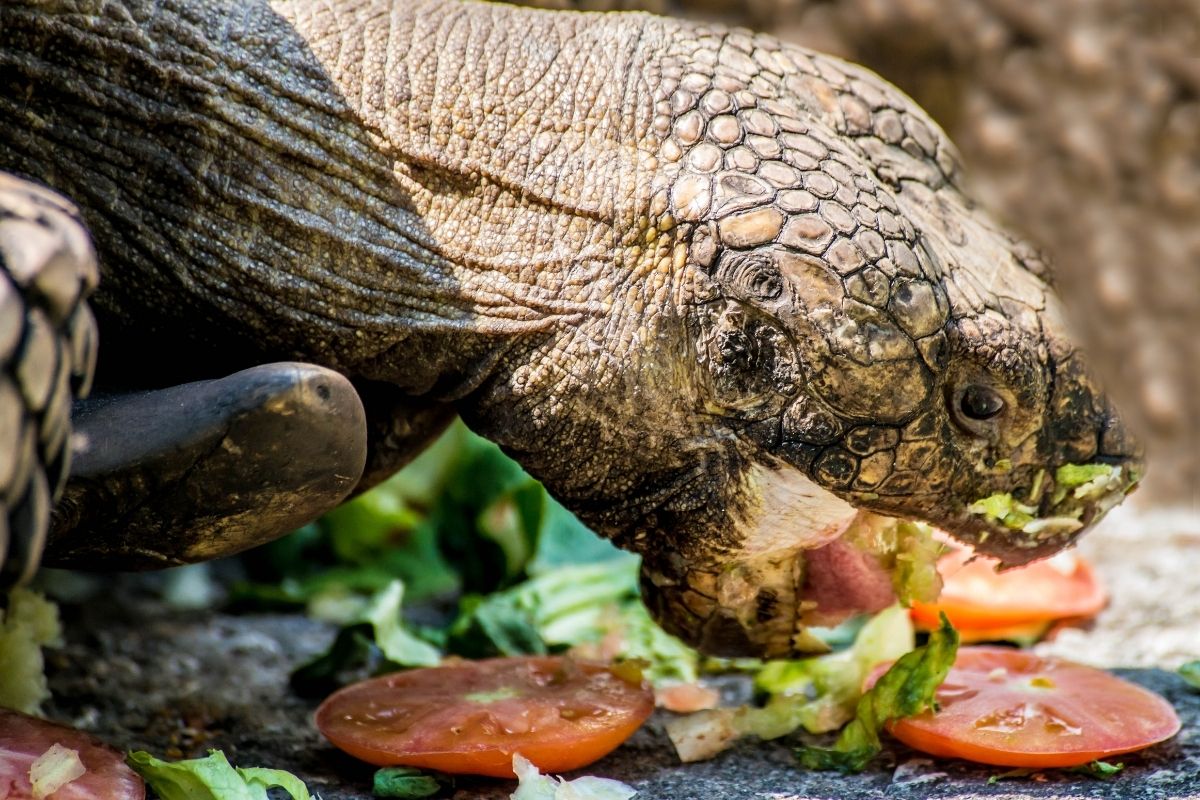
[[975, 597], [470, 717], [23, 739], [1015, 709]]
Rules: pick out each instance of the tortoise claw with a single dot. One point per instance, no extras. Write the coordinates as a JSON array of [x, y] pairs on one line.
[[207, 469]]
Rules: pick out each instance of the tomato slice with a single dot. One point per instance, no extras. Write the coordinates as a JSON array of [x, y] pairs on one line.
[[976, 597], [471, 716], [23, 739], [1015, 709]]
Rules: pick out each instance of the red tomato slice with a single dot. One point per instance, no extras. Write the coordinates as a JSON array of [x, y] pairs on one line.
[[470, 717], [23, 739], [976, 597], [1015, 709]]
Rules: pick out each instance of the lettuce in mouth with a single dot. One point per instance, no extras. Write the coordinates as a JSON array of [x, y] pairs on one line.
[[1075, 486]]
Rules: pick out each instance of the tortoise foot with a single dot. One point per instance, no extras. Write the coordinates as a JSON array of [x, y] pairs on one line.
[[207, 469]]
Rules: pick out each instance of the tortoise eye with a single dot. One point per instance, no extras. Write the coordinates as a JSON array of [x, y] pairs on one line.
[[980, 403]]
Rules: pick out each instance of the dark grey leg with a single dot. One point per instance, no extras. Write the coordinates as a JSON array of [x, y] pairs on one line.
[[206, 469]]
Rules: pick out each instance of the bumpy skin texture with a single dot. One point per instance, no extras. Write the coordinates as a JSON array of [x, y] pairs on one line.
[[713, 290]]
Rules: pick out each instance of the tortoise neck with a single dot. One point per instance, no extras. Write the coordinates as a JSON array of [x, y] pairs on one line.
[[353, 183]]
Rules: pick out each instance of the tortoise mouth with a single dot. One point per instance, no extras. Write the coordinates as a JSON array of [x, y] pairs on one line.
[[809, 559]]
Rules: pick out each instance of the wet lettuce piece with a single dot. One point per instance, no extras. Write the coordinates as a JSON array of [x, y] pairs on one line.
[[1075, 485], [408, 783], [380, 626], [212, 778], [29, 624], [906, 689], [907, 550], [533, 785], [1190, 672], [818, 694]]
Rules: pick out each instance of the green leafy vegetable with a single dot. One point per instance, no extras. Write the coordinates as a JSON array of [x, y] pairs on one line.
[[29, 624], [212, 778], [1019, 772], [408, 783], [665, 659], [559, 608], [532, 785], [818, 694], [1190, 672], [907, 550], [381, 624], [1006, 510], [1099, 769], [906, 689]]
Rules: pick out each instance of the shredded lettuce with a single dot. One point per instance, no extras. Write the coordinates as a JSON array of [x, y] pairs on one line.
[[29, 624], [533, 785], [53, 770], [1074, 485], [906, 689], [212, 778], [907, 550], [817, 694], [1190, 672], [820, 694], [559, 608], [408, 783], [381, 625], [666, 659], [1005, 509]]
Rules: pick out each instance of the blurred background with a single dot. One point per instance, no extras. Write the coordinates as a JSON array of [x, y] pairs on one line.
[[1079, 124]]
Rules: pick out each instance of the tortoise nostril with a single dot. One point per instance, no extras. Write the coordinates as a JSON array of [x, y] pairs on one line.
[[1116, 442]]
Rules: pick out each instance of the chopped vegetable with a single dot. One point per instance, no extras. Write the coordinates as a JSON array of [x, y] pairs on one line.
[[533, 785], [42, 759], [1003, 508], [1190, 672], [907, 550], [1074, 486], [905, 689], [1099, 769], [407, 782], [380, 624], [472, 716], [212, 778], [562, 607], [818, 694], [29, 624], [53, 770], [1015, 709], [980, 600]]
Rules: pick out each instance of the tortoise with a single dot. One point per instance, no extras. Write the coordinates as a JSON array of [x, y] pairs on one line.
[[720, 294]]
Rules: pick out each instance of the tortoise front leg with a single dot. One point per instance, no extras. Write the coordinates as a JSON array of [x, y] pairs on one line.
[[207, 469], [47, 355]]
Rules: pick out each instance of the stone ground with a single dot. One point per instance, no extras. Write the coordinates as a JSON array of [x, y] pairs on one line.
[[142, 675]]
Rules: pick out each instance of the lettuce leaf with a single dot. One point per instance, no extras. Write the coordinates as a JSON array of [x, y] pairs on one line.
[[818, 694], [533, 785], [212, 778], [381, 625], [30, 624], [408, 783], [1190, 672], [906, 689]]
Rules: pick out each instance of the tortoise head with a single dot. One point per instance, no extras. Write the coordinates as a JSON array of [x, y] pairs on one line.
[[867, 340]]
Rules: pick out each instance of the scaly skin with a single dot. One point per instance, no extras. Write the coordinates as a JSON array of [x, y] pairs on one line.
[[715, 291]]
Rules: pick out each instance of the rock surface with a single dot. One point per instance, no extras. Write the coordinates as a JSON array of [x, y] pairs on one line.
[[143, 676]]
